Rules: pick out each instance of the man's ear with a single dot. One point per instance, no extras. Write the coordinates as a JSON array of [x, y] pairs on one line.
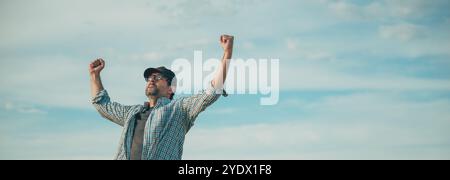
[[173, 86], [170, 93], [170, 90]]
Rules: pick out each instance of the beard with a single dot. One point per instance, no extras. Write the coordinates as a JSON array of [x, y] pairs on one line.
[[151, 91]]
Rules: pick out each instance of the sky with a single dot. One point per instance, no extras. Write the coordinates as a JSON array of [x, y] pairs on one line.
[[358, 79]]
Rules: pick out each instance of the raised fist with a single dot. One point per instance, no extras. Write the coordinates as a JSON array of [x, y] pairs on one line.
[[96, 66], [226, 41]]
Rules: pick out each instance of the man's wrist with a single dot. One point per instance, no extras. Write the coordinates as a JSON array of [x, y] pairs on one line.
[[95, 75], [228, 52]]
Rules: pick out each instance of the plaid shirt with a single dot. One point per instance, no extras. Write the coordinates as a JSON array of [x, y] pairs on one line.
[[165, 128]]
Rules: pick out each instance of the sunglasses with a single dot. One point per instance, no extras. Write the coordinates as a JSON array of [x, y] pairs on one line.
[[154, 77]]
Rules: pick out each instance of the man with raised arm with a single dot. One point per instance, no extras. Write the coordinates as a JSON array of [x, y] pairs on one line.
[[156, 129]]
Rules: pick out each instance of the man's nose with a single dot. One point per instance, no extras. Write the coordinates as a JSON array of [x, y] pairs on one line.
[[151, 82]]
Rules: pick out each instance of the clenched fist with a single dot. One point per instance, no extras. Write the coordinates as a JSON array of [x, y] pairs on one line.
[[226, 41], [96, 66]]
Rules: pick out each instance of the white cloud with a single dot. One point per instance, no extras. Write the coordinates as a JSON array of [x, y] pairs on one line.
[[346, 10], [414, 8], [86, 144], [28, 109], [50, 21], [248, 45], [45, 22], [147, 57], [291, 44], [308, 76], [402, 32], [190, 42], [308, 50], [382, 107], [385, 10]]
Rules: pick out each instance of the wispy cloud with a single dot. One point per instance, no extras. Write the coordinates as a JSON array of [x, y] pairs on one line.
[[28, 109], [86, 144], [310, 76], [403, 32], [386, 10]]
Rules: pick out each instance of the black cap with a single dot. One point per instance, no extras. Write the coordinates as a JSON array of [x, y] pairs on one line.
[[167, 73]]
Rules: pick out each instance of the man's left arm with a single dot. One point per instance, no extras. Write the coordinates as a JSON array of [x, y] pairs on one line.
[[226, 42], [195, 104]]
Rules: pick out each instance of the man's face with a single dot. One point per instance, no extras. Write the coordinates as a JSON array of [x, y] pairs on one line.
[[157, 86]]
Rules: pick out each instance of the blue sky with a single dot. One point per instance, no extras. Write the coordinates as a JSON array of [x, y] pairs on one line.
[[358, 79]]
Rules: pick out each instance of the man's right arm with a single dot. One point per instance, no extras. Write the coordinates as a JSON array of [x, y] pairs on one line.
[[113, 111], [94, 70]]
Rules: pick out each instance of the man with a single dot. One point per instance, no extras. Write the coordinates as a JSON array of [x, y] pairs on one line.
[[156, 130]]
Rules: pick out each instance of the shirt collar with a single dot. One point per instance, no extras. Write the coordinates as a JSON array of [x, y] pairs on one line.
[[160, 102]]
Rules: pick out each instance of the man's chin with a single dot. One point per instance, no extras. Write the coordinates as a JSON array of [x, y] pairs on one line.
[[151, 92]]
